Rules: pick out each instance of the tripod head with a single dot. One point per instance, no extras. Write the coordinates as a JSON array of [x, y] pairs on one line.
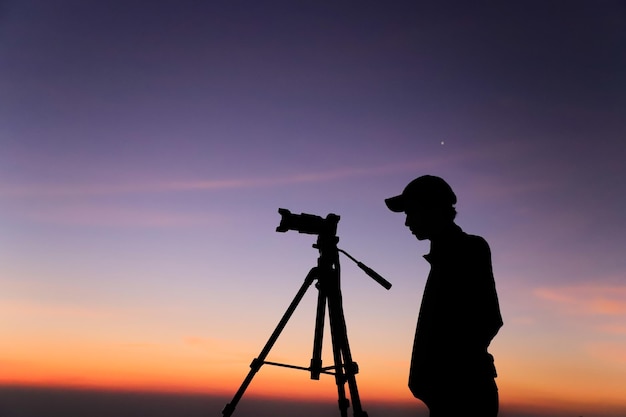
[[326, 229]]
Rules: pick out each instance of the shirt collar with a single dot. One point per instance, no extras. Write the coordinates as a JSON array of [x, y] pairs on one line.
[[440, 246]]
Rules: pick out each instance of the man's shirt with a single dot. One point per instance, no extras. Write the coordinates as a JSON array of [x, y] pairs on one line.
[[459, 314]]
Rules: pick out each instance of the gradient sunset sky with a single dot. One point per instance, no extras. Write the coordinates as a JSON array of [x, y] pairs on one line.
[[145, 148]]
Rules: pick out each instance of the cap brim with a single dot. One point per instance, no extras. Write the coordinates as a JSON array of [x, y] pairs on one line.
[[396, 204]]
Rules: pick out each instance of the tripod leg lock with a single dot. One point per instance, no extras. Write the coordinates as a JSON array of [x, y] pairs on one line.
[[256, 364], [351, 368], [316, 368], [344, 404]]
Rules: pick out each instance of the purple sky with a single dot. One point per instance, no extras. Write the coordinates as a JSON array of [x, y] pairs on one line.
[[145, 150]]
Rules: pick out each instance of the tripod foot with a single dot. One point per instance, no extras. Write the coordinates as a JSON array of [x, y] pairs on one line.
[[228, 410]]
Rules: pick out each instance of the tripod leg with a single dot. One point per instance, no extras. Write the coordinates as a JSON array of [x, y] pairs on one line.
[[343, 357], [328, 287], [340, 377], [316, 358], [260, 360]]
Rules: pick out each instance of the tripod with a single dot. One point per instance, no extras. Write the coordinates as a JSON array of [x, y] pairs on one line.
[[327, 274]]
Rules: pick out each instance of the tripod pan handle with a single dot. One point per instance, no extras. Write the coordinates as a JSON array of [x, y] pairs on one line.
[[374, 275]]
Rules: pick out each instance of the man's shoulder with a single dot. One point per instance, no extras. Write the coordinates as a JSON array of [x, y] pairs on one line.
[[475, 243]]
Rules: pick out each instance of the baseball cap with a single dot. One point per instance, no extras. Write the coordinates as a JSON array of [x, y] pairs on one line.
[[427, 190]]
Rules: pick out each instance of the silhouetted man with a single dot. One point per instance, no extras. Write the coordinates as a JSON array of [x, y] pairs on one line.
[[451, 370]]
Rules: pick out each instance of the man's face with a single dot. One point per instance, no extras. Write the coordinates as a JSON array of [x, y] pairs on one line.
[[420, 221]]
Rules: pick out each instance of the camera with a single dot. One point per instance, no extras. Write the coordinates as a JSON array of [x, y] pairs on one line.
[[308, 223]]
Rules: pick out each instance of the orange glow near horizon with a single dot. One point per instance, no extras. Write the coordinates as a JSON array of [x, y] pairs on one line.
[[279, 385], [531, 378], [137, 372]]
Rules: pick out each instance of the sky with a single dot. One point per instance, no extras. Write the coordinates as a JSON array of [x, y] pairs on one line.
[[146, 149]]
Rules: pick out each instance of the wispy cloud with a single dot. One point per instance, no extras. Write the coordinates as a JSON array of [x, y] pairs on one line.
[[140, 345], [204, 343], [493, 188], [225, 350], [611, 352], [52, 311], [210, 184], [588, 299], [118, 216], [613, 328], [598, 310]]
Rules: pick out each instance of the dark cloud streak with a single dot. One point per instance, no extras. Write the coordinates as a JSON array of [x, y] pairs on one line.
[[48, 402]]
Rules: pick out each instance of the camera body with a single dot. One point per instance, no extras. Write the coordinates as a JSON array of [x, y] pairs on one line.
[[308, 223]]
